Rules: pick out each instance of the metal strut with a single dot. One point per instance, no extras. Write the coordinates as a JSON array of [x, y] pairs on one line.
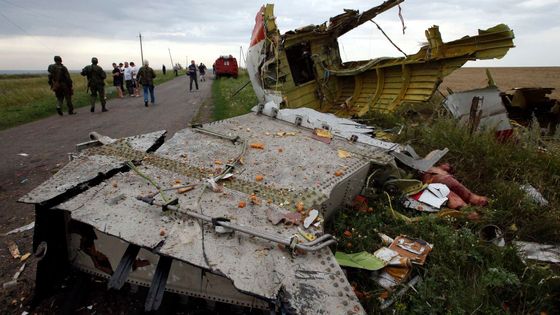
[[315, 245], [157, 288], [123, 269]]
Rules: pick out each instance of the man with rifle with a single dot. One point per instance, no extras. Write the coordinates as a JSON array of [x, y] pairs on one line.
[[96, 83], [61, 84]]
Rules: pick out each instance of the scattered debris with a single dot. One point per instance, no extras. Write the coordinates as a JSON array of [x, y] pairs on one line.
[[434, 195], [183, 190], [23, 154], [284, 133], [24, 257], [360, 204], [306, 235], [416, 250], [343, 154], [322, 135], [459, 195], [539, 252], [410, 285], [257, 145], [259, 178], [486, 103], [410, 158], [535, 195], [390, 277], [412, 203], [313, 215], [22, 229], [14, 250], [362, 260], [241, 204], [492, 234], [288, 217], [385, 239], [338, 173], [525, 103], [13, 282]]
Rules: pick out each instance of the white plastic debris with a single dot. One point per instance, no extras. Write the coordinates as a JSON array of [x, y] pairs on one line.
[[435, 195], [539, 252], [22, 229], [313, 214], [535, 195]]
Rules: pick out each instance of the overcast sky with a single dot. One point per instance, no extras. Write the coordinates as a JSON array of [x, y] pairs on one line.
[[33, 31]]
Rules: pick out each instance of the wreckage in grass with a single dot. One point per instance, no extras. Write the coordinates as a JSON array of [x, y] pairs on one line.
[[213, 211], [303, 68]]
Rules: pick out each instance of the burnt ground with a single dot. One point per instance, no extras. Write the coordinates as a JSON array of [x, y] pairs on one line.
[[31, 153]]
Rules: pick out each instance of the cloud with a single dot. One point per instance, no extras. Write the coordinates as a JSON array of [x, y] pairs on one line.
[[203, 29]]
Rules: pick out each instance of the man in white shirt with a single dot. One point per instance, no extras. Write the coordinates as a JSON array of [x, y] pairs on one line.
[[134, 73], [128, 78]]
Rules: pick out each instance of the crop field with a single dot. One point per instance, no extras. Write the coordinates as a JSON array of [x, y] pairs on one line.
[[505, 78]]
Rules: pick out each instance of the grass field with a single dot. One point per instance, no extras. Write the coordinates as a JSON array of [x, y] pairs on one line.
[[25, 98], [225, 104], [464, 275]]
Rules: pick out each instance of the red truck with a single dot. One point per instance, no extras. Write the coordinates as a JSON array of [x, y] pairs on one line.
[[225, 66]]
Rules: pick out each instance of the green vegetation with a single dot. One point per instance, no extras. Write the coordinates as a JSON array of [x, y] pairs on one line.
[[25, 98], [225, 104], [462, 274]]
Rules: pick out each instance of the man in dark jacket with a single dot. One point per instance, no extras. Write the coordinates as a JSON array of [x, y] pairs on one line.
[[96, 83], [191, 72], [61, 84], [146, 77]]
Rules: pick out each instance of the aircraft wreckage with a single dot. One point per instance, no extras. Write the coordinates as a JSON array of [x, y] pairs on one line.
[[303, 68], [234, 211]]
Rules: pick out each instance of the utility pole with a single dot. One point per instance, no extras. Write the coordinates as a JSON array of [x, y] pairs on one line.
[[242, 57], [172, 64], [141, 50]]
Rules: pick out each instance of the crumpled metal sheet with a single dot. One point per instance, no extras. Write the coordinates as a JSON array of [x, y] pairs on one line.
[[494, 113], [85, 169], [539, 252], [341, 127], [308, 284]]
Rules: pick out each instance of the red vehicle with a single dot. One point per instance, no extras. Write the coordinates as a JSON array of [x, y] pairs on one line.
[[225, 66]]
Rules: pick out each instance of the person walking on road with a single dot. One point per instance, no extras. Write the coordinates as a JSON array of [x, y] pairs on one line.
[[202, 71], [146, 77], [163, 69], [117, 80], [96, 83], [61, 84], [191, 72]]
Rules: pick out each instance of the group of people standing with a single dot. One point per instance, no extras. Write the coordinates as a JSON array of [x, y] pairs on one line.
[[125, 74], [61, 82]]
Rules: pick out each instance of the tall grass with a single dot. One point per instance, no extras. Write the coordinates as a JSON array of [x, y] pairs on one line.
[[25, 98], [225, 104], [462, 274]]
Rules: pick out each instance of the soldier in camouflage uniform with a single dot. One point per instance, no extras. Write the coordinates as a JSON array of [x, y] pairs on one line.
[[96, 83], [61, 84]]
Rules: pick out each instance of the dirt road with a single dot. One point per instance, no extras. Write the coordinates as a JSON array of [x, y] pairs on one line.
[[31, 153]]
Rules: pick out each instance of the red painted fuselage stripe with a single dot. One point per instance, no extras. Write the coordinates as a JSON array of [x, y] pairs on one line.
[[258, 31]]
